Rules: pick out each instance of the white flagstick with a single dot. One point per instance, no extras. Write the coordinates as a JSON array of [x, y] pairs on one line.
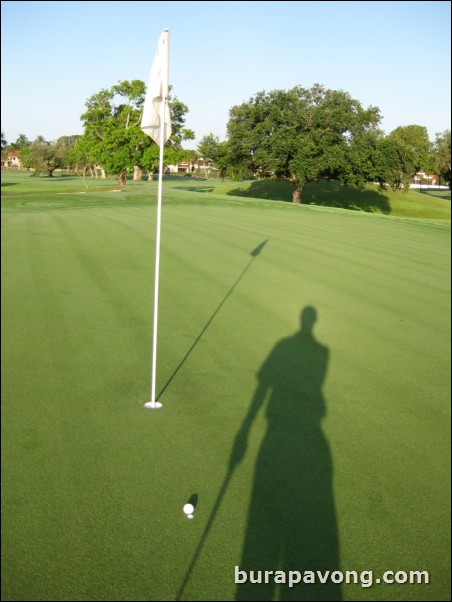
[[153, 404], [157, 91]]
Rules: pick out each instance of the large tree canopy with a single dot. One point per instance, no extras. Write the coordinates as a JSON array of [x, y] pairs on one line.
[[113, 137], [401, 154], [304, 135], [417, 144]]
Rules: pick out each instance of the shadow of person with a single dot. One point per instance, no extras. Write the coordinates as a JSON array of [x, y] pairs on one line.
[[291, 519]]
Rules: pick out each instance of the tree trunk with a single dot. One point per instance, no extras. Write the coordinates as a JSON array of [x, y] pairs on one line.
[[84, 177], [103, 175], [137, 173], [122, 178], [296, 195], [150, 176]]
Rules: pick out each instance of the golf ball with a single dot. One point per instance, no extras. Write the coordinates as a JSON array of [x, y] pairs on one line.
[[188, 510]]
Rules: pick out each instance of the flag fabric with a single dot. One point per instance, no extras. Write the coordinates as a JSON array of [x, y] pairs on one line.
[[157, 93]]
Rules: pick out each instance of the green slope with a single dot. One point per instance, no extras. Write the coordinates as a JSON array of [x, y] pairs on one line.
[[424, 204]]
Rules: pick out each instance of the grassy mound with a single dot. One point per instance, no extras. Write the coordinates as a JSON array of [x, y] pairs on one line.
[[413, 203]]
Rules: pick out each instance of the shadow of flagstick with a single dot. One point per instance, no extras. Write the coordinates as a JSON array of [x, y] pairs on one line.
[[205, 533], [253, 254], [228, 476]]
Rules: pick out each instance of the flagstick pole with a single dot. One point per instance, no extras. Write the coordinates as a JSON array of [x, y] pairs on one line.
[[153, 404]]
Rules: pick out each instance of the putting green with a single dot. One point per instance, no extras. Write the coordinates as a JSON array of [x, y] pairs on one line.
[[346, 463]]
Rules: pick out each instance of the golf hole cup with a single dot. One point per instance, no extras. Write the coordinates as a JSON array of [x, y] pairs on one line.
[[188, 510]]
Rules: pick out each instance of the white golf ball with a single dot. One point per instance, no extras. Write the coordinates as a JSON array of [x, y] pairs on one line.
[[188, 510]]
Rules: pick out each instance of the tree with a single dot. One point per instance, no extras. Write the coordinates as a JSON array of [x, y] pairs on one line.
[[442, 154], [79, 157], [113, 137], [225, 162], [109, 116], [65, 146], [21, 142], [35, 156], [303, 135], [4, 141], [400, 155], [178, 111], [208, 148], [394, 163], [47, 156], [415, 140]]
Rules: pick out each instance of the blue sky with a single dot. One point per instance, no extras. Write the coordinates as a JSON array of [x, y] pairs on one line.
[[55, 55]]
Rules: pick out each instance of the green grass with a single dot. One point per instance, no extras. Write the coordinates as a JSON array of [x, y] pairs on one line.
[[22, 190], [413, 203], [93, 485]]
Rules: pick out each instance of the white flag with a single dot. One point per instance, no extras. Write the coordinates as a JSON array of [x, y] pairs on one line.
[[157, 93]]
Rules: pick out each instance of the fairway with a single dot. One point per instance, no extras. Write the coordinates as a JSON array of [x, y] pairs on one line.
[[344, 465]]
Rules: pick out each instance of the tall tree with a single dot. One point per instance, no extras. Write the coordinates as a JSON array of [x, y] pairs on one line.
[[113, 137], [303, 135], [208, 148], [394, 163], [415, 140]]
